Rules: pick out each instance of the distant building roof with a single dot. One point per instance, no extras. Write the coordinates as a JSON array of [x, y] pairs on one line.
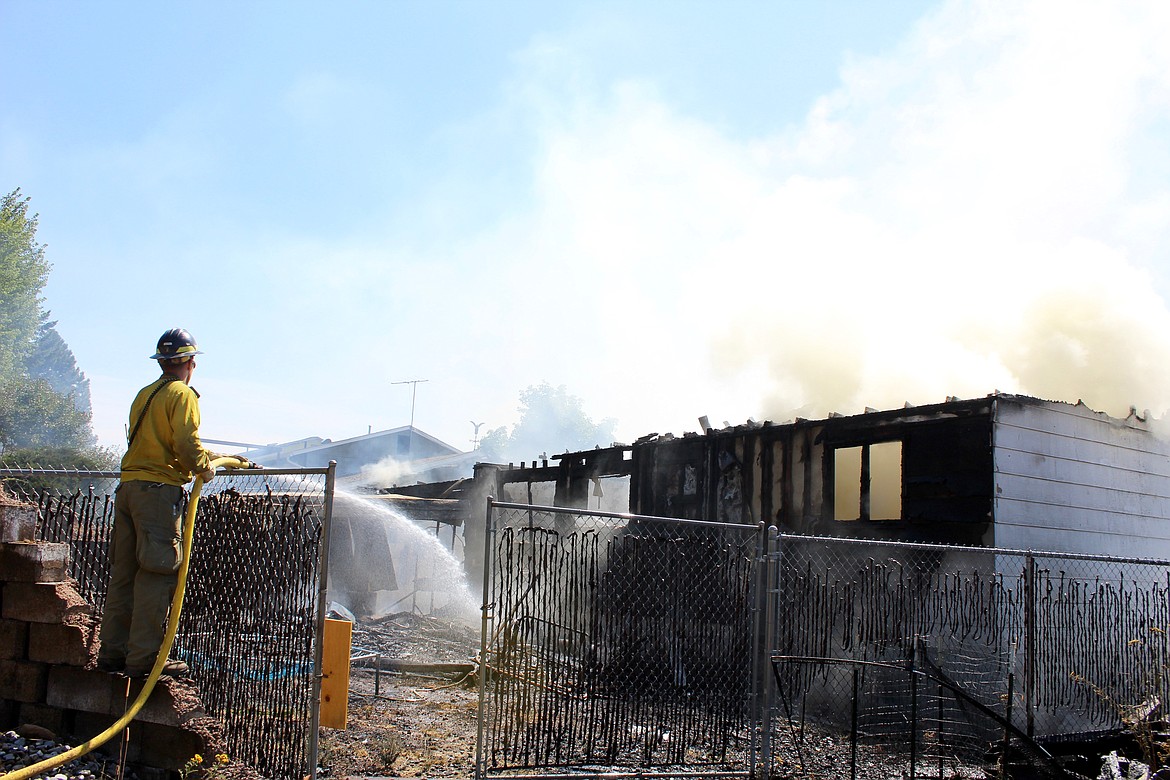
[[404, 445]]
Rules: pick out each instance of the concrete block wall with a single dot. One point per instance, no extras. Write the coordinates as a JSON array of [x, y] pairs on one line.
[[48, 645]]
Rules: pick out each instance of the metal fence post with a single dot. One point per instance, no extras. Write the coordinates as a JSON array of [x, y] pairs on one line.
[[765, 628], [1007, 733], [1030, 596], [322, 608], [912, 669], [759, 656], [853, 724], [484, 627]]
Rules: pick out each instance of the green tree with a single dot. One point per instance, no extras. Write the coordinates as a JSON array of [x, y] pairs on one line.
[[44, 397], [52, 360], [551, 421], [23, 273], [88, 459], [32, 414]]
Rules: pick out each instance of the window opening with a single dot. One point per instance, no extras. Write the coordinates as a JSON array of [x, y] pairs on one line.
[[868, 482], [885, 481], [847, 491]]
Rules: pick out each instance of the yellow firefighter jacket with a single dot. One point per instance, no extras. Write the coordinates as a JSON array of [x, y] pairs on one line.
[[166, 446]]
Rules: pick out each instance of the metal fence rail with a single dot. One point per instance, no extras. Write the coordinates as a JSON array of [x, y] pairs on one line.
[[617, 642], [253, 613]]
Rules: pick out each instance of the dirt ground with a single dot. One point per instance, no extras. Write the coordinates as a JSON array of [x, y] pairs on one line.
[[424, 725], [407, 725], [415, 725]]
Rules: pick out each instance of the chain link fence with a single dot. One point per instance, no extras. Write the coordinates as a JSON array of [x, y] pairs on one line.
[[669, 647], [945, 652], [617, 641], [626, 643], [253, 612]]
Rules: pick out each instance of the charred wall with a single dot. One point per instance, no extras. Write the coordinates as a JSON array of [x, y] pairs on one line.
[[786, 474], [947, 474], [781, 474]]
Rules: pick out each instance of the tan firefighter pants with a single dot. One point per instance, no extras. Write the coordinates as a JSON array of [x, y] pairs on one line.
[[145, 558]]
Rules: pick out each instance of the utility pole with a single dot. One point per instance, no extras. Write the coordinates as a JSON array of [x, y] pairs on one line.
[[413, 389]]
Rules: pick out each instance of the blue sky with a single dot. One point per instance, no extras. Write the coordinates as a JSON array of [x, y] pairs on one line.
[[673, 209]]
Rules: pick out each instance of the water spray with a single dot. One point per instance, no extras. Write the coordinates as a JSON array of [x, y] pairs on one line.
[[163, 653]]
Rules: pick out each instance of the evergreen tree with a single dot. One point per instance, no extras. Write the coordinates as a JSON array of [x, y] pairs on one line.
[[33, 415], [44, 397], [23, 273], [53, 361]]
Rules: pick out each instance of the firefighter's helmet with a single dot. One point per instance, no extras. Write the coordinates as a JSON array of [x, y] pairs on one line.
[[176, 343]]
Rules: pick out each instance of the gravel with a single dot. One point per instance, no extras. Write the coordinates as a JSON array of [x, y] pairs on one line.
[[17, 752]]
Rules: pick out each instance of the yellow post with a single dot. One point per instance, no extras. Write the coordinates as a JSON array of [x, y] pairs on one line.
[[335, 673]]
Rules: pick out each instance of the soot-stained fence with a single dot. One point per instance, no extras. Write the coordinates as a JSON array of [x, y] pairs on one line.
[[947, 652], [616, 641], [253, 613]]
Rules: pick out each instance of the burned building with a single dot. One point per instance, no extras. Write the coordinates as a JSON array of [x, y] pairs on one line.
[[1000, 471], [651, 612]]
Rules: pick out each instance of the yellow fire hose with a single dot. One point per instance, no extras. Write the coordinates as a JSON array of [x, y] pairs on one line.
[[163, 653]]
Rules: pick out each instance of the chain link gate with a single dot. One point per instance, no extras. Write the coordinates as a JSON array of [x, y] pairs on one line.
[[617, 641], [253, 614]]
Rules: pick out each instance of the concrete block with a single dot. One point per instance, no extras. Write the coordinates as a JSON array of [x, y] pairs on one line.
[[168, 747], [86, 725], [153, 773], [13, 640], [34, 561], [149, 746], [23, 681], [171, 703], [87, 691], [9, 710], [72, 644], [43, 602], [46, 717], [18, 522]]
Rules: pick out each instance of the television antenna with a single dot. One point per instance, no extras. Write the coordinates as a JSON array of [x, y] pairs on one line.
[[413, 390]]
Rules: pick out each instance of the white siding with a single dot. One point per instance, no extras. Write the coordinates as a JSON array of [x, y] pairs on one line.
[[1074, 480]]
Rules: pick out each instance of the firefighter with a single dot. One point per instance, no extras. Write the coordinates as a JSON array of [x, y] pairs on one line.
[[163, 453]]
